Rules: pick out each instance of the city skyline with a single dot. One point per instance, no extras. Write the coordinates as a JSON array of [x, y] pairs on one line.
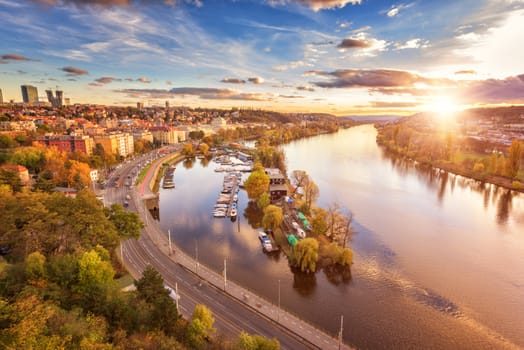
[[344, 57]]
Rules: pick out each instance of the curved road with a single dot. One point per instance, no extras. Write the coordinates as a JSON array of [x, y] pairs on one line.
[[231, 315]]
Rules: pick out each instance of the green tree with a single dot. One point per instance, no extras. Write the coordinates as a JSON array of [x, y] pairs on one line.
[[319, 221], [151, 285], [127, 223], [305, 255], [256, 342], [30, 157], [93, 272], [273, 217], [35, 266], [256, 184], [200, 329], [10, 178]]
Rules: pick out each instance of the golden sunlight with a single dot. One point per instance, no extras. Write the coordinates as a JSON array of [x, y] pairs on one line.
[[444, 107]]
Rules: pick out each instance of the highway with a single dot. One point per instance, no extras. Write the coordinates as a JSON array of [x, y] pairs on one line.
[[231, 316]]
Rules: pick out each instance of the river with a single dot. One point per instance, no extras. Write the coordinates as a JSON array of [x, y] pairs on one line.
[[439, 259]]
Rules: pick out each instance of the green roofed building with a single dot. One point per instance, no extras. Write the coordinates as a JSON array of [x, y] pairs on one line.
[[292, 239]]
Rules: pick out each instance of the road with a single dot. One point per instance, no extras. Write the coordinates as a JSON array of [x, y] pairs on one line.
[[234, 311]]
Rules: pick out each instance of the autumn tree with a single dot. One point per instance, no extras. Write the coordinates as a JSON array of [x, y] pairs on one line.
[[188, 150], [10, 178], [263, 200], [273, 217], [201, 327], [78, 174], [30, 157], [257, 183], [203, 148], [305, 255], [514, 159]]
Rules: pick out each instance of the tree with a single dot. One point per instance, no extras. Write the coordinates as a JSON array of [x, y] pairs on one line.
[[311, 192], [201, 327], [10, 178], [151, 285], [78, 174], [188, 150], [305, 255], [256, 184], [263, 200], [30, 157], [514, 160], [319, 221], [35, 266], [127, 223], [204, 148], [256, 342], [93, 272], [273, 217]]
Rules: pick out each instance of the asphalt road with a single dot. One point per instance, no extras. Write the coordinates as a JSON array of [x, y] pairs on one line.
[[231, 316]]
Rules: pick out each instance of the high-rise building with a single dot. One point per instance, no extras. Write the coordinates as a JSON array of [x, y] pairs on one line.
[[1, 97], [167, 104], [140, 105], [29, 94], [55, 101]]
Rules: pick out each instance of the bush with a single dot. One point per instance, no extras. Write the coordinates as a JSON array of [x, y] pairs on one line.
[[516, 185]]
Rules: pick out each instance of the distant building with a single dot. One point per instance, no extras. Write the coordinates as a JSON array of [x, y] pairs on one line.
[[56, 101], [218, 123], [164, 134], [29, 94], [1, 97], [67, 101], [140, 105], [167, 104], [117, 143], [68, 143], [143, 135]]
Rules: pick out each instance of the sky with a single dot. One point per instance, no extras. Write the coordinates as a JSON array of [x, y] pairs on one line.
[[344, 57]]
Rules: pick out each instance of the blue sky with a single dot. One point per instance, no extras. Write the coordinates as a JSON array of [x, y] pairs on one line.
[[336, 56]]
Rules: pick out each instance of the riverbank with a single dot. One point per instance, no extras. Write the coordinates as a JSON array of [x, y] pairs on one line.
[[443, 152]]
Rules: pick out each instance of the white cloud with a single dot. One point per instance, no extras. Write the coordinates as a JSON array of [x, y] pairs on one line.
[[412, 44], [393, 12]]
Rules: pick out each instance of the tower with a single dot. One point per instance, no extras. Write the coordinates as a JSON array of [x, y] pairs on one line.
[[55, 101], [1, 97], [29, 94]]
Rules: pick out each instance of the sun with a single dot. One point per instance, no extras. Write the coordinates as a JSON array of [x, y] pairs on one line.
[[444, 107]]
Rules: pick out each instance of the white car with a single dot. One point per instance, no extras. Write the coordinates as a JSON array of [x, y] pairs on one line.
[[172, 293]]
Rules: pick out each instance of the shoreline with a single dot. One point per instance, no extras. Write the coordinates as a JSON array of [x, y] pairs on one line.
[[454, 169]]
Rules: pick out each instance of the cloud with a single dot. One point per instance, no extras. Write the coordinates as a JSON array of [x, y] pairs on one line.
[[317, 5], [412, 44], [103, 3], [290, 96], [290, 65], [169, 82], [350, 43], [14, 57], [256, 80], [143, 80], [106, 80], [355, 78], [129, 79], [394, 11], [508, 90], [463, 72], [400, 91], [95, 84], [233, 81], [73, 72], [202, 93], [305, 88], [388, 104]]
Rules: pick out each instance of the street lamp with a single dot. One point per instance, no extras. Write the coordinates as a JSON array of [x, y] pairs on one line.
[[278, 311]]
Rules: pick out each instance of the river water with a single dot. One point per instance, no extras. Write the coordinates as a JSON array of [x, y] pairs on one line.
[[439, 259]]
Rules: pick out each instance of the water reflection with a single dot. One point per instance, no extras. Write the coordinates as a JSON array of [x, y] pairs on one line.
[[254, 215], [337, 274], [442, 182], [188, 163], [304, 283]]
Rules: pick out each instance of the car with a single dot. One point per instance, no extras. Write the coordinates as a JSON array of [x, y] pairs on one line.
[[172, 293]]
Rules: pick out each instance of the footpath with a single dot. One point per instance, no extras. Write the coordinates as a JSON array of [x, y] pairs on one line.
[[293, 324]]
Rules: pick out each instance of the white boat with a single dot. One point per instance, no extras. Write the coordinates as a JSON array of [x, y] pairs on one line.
[[266, 242], [233, 212]]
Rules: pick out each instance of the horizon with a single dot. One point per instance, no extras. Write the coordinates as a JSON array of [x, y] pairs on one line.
[[342, 57]]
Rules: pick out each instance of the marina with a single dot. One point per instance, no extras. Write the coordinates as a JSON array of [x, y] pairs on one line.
[[226, 204]]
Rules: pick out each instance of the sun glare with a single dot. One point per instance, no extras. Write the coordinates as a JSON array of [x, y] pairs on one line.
[[444, 107]]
